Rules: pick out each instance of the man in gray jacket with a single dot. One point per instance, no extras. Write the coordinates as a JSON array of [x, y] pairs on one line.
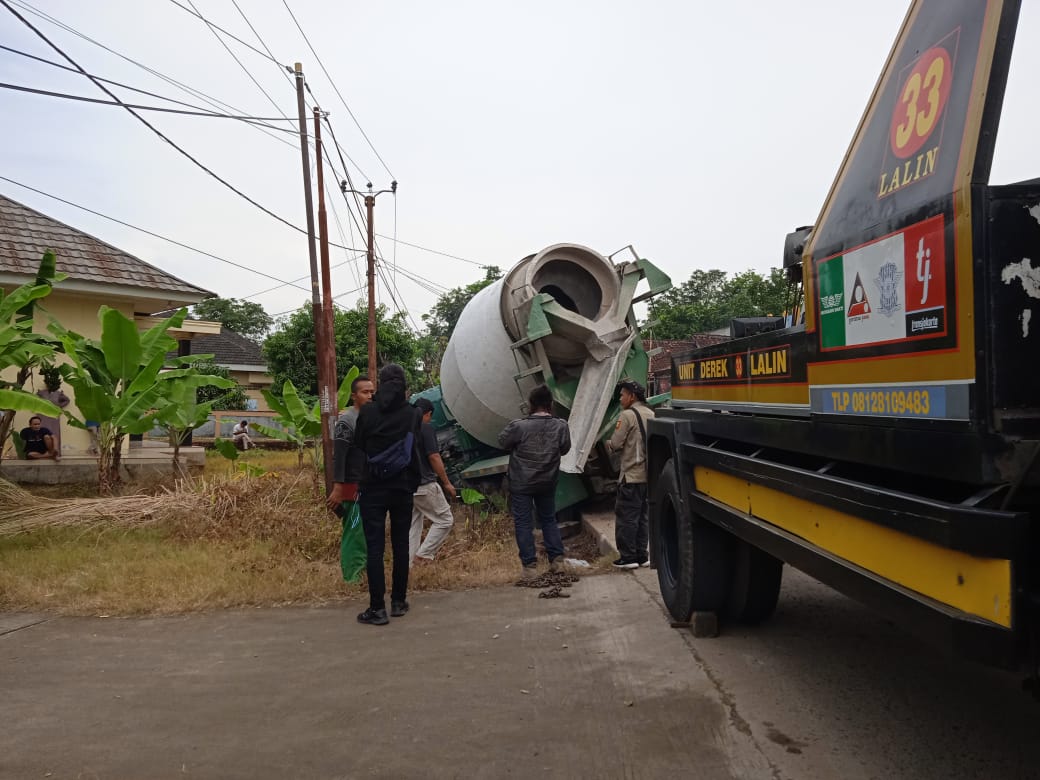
[[535, 444], [631, 524]]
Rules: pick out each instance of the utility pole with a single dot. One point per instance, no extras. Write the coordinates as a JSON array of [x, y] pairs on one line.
[[328, 329], [370, 205], [325, 392]]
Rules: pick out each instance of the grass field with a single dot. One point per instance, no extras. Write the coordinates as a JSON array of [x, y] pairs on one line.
[[237, 537]]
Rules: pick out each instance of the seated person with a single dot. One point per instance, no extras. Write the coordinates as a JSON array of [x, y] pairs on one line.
[[39, 442], [240, 436]]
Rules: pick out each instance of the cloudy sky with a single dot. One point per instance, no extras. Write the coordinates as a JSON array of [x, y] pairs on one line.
[[700, 133]]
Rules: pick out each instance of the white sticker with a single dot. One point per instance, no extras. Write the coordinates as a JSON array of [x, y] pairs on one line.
[[1024, 272]]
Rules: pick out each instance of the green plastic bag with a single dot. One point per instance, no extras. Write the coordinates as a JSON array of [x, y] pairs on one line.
[[353, 552]]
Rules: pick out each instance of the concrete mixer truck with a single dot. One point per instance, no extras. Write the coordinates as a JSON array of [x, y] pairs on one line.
[[563, 317]]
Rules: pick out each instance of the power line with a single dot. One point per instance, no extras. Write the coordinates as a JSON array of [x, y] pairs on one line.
[[336, 89], [54, 64], [150, 126], [196, 93], [154, 234], [195, 12], [163, 109], [284, 70], [433, 251], [213, 29], [293, 282]]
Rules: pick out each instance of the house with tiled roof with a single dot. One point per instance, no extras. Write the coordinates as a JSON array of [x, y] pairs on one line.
[[97, 273], [242, 357]]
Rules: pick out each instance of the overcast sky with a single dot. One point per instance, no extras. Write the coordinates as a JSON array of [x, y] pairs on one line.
[[700, 133]]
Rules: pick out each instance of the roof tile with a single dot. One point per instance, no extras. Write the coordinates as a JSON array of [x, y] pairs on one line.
[[26, 234]]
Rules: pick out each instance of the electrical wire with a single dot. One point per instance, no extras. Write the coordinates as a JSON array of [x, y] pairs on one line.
[[433, 251], [196, 93], [156, 235], [163, 109], [213, 29], [194, 12], [150, 126], [293, 283], [54, 64], [336, 89]]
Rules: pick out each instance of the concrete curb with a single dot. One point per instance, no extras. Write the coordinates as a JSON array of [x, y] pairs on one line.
[[600, 524]]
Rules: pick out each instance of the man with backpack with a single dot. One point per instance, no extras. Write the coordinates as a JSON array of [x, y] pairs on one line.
[[384, 462], [631, 525]]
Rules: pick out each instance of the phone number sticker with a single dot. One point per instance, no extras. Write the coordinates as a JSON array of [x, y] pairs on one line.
[[919, 401]]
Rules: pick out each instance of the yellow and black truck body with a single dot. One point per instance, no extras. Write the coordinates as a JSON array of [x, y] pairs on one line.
[[887, 442]]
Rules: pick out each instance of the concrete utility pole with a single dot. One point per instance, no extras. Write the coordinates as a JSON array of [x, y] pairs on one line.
[[370, 205], [328, 332], [326, 393]]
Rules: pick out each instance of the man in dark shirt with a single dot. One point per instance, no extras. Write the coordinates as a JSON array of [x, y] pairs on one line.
[[428, 500], [535, 444], [39, 442], [383, 426]]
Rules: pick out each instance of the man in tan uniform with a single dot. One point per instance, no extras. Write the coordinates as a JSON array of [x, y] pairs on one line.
[[631, 525]]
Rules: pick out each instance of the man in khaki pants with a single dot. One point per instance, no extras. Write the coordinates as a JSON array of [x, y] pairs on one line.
[[631, 524], [429, 501]]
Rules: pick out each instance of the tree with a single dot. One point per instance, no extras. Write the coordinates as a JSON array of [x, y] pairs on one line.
[[290, 350], [120, 382], [708, 300], [21, 349], [442, 319], [244, 317], [221, 399]]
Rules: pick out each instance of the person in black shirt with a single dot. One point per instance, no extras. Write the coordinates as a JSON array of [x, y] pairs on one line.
[[39, 442], [383, 426], [535, 444]]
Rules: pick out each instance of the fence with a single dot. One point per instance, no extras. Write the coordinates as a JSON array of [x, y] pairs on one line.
[[219, 425]]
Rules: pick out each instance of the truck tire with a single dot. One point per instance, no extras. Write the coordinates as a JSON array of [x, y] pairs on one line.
[[692, 555], [755, 586]]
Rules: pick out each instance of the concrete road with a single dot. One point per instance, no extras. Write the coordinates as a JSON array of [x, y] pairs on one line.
[[478, 684], [500, 683], [828, 689]]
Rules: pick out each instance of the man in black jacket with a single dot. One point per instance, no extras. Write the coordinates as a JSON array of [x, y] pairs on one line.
[[387, 432], [535, 444]]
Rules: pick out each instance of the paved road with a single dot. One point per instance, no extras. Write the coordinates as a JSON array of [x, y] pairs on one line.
[[478, 684], [593, 686], [828, 689]]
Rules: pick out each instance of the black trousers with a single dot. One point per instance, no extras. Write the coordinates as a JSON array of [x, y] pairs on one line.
[[631, 523], [374, 505]]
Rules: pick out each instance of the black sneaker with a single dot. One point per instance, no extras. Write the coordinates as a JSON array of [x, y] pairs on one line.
[[622, 563], [398, 608], [644, 563], [373, 617]]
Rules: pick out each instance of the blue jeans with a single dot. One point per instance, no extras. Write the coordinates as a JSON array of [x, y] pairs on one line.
[[545, 505]]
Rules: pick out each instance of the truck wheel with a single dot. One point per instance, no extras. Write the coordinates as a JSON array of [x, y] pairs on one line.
[[756, 584], [692, 555]]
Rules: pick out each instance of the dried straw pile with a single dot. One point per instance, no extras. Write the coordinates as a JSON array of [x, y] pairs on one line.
[[276, 508], [21, 511]]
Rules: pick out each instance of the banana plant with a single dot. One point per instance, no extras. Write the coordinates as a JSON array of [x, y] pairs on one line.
[[182, 414], [120, 381], [301, 425], [21, 349]]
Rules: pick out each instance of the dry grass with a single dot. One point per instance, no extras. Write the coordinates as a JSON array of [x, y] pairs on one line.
[[229, 540]]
